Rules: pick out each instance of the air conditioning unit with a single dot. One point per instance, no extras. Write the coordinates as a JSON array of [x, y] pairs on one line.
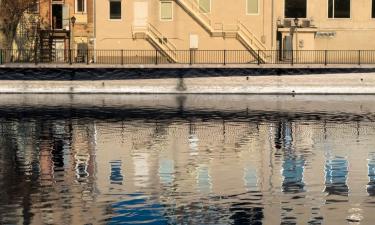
[[287, 23], [306, 23]]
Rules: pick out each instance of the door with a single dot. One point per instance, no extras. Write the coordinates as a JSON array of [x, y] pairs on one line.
[[288, 47], [57, 16], [60, 50], [140, 13]]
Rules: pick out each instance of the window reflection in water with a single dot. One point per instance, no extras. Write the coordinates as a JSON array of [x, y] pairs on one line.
[[371, 175]]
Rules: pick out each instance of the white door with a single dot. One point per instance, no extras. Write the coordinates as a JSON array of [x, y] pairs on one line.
[[60, 52], [140, 13]]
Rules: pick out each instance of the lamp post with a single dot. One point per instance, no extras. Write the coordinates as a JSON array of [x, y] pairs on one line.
[[72, 21], [293, 30]]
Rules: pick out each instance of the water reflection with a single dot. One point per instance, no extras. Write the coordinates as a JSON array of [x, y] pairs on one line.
[[371, 174], [196, 168]]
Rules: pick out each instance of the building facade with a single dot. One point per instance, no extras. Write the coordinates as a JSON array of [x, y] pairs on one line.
[[255, 25], [63, 25]]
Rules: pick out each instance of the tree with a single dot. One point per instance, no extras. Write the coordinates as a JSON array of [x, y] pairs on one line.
[[11, 12]]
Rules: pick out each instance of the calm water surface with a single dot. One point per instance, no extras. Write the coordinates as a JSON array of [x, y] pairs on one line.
[[171, 164]]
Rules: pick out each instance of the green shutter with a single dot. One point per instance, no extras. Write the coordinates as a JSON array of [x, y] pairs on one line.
[[205, 6], [166, 10], [252, 6]]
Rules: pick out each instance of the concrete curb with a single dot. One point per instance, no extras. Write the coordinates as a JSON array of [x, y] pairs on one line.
[[292, 85]]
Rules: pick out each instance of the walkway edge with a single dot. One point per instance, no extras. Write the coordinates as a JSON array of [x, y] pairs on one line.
[[302, 84]]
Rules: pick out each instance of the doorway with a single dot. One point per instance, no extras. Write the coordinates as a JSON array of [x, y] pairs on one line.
[[57, 16], [140, 13]]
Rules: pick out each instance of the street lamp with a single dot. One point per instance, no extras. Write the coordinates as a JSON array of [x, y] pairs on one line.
[[71, 26], [296, 20], [73, 20]]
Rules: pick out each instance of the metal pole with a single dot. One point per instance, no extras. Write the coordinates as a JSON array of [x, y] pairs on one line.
[[325, 57], [359, 57], [122, 56], [70, 56], [156, 57], [225, 57], [36, 56], [1, 56], [292, 62], [191, 57], [258, 57]]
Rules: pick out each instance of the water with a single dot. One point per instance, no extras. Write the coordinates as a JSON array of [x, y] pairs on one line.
[[187, 160]]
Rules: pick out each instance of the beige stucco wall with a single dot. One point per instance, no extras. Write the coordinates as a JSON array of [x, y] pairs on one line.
[[354, 33], [118, 34]]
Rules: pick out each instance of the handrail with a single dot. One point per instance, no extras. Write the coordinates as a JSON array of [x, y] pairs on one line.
[[194, 5], [250, 35], [161, 37]]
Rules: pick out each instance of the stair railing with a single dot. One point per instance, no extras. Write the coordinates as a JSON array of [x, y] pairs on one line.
[[194, 7], [162, 39]]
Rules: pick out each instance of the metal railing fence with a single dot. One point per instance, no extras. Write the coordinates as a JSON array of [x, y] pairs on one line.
[[188, 57]]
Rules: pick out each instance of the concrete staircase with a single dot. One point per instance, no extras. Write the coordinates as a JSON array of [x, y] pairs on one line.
[[157, 40], [238, 31]]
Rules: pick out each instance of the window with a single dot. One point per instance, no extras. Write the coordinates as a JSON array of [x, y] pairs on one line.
[[166, 10], [373, 9], [33, 7], [252, 6], [338, 8], [295, 8], [205, 6], [80, 6], [115, 9]]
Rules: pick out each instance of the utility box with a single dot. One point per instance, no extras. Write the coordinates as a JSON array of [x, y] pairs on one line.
[[194, 41]]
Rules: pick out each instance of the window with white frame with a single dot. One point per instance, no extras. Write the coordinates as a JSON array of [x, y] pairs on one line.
[[205, 6], [166, 10], [80, 6], [339, 8], [252, 7], [115, 9], [295, 8]]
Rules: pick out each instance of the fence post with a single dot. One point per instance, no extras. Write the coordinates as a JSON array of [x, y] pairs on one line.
[[87, 56], [122, 56], [70, 56], [258, 57], [325, 57], [156, 57], [36, 56], [359, 57], [225, 57], [191, 57], [1, 56], [292, 62]]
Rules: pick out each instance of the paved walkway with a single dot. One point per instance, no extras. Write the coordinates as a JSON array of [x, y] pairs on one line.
[[200, 66]]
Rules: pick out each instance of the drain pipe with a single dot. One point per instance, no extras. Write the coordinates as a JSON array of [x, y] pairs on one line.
[[272, 23], [94, 18]]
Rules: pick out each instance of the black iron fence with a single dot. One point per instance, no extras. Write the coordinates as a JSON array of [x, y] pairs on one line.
[[224, 57]]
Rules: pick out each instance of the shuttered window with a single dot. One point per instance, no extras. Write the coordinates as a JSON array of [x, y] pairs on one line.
[[166, 10], [205, 6], [252, 6]]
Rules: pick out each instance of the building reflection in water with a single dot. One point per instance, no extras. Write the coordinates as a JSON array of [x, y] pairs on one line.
[[336, 173], [371, 174], [216, 171]]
